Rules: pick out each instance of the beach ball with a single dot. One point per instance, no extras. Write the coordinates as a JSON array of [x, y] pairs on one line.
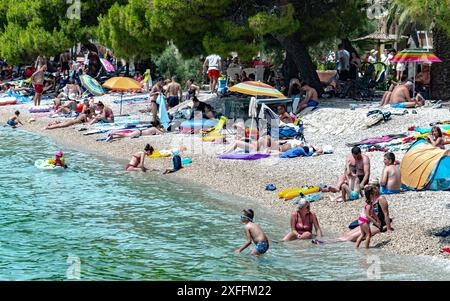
[[354, 195]]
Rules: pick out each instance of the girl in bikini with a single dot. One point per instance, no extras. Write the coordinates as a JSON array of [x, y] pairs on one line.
[[302, 223], [367, 216], [137, 161], [156, 129]]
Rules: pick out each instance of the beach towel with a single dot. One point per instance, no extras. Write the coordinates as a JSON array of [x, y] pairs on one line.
[[131, 100], [237, 156], [296, 152], [163, 115]]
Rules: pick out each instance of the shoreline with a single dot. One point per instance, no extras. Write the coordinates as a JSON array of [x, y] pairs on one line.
[[247, 180]]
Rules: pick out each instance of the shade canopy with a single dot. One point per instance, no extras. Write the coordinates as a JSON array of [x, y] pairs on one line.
[[256, 89], [415, 56], [91, 85], [122, 84]]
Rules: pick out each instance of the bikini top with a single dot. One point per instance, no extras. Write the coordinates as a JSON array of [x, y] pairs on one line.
[[299, 226]]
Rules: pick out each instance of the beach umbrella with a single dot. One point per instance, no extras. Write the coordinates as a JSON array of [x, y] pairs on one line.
[[91, 85], [107, 65], [415, 56], [122, 84], [256, 89]]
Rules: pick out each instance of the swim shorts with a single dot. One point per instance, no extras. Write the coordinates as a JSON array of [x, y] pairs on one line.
[[173, 101], [213, 73], [313, 103], [38, 88], [262, 247], [11, 123], [65, 66], [384, 190], [401, 105]]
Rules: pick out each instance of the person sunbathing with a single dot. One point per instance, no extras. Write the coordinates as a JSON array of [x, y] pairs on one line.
[[157, 129], [391, 177], [61, 108], [82, 118], [400, 97], [311, 98], [435, 138], [264, 144]]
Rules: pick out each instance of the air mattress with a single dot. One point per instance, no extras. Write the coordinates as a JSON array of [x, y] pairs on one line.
[[289, 194]]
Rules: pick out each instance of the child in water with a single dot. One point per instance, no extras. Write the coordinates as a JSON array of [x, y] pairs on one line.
[[58, 160], [253, 232], [14, 120], [177, 165], [367, 216]]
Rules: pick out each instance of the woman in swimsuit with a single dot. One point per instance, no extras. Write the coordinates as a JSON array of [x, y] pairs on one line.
[[266, 143], [137, 161], [435, 138], [82, 118], [302, 223], [157, 129], [105, 115]]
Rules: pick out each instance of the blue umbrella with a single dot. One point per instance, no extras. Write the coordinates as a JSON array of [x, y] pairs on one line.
[[91, 85]]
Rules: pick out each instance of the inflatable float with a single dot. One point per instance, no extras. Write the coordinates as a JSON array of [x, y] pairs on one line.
[[186, 161], [40, 109], [289, 194], [44, 165], [196, 126], [159, 154], [5, 101]]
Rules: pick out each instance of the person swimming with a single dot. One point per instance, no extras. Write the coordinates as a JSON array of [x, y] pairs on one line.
[[137, 160], [58, 160], [253, 232]]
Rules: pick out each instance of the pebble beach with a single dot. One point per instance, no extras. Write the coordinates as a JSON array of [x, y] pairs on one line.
[[416, 215]]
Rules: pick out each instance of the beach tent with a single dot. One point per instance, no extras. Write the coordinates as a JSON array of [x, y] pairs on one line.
[[425, 167]]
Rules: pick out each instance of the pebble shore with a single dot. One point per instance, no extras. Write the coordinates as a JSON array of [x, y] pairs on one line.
[[416, 214]]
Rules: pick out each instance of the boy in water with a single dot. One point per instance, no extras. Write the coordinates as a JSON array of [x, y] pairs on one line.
[[253, 232], [14, 120], [58, 160]]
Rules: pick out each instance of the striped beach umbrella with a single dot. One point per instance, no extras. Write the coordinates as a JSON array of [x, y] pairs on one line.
[[256, 89], [415, 56], [91, 85]]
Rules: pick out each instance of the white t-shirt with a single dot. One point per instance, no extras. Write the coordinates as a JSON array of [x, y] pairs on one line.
[[343, 58], [213, 62]]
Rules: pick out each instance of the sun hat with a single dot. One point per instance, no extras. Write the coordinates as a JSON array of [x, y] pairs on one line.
[[59, 154]]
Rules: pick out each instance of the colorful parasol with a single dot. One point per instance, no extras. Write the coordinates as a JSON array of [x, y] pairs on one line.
[[122, 84], [107, 65], [415, 56], [91, 85], [257, 89]]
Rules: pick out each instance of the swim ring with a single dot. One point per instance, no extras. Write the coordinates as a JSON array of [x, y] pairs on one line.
[[44, 165], [4, 101]]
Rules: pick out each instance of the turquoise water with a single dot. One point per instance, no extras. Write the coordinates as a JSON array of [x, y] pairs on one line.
[[142, 227]]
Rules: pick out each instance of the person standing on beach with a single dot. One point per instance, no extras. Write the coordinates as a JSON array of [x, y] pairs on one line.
[[253, 232], [391, 177], [37, 79], [157, 89], [213, 63], [64, 61], [174, 93]]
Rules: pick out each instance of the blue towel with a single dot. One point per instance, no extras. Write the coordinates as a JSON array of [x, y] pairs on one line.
[[163, 115], [296, 152]]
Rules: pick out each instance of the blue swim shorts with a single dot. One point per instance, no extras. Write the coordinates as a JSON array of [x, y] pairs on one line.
[[262, 247], [401, 105]]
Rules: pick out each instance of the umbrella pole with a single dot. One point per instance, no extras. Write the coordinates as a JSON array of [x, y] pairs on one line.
[[414, 85], [121, 96]]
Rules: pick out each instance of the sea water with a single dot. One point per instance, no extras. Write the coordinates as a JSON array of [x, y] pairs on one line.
[[95, 221]]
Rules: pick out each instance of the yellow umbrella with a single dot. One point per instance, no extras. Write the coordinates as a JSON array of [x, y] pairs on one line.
[[122, 84]]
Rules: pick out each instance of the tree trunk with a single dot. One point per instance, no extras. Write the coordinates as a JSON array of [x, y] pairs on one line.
[[290, 69], [300, 56], [440, 72]]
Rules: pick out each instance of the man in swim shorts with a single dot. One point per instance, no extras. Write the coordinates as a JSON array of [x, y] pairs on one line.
[[214, 63], [400, 97], [37, 79], [391, 177], [174, 93], [253, 232], [311, 99]]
